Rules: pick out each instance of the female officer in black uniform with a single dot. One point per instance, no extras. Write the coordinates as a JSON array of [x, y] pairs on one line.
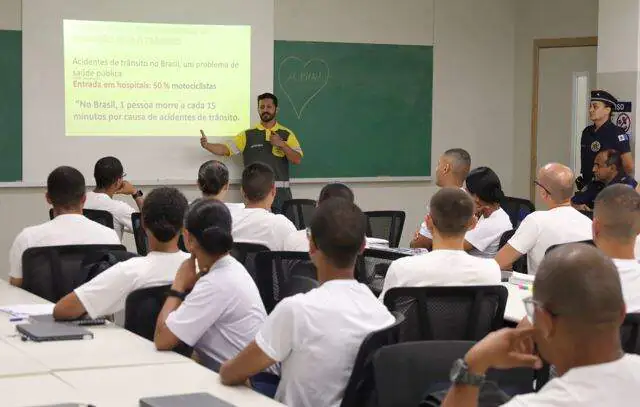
[[603, 134]]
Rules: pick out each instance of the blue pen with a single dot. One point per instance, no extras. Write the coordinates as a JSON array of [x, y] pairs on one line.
[[16, 319]]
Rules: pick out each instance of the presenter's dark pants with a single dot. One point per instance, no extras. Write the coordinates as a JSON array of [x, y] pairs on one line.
[[282, 195]]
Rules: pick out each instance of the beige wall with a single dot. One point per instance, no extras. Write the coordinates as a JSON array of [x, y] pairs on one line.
[[534, 20], [482, 69]]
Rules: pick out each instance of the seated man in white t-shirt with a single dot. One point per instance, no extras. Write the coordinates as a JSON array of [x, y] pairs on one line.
[[66, 193], [217, 309], [109, 176], [298, 240], [542, 229], [577, 309], [451, 214], [616, 223], [485, 188], [255, 223], [162, 217], [213, 182], [316, 335], [451, 171]]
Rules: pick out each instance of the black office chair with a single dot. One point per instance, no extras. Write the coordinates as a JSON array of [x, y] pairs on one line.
[[361, 382], [386, 225], [404, 373], [283, 274], [520, 265], [54, 271], [246, 253], [630, 333], [554, 246], [142, 308], [299, 211], [102, 217], [465, 313], [140, 237], [517, 209], [372, 266]]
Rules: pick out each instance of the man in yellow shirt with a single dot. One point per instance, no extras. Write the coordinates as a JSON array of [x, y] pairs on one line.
[[268, 142]]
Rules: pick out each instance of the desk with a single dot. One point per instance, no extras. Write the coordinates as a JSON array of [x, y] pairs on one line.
[[15, 363], [124, 386], [36, 390], [10, 295], [515, 311], [111, 346]]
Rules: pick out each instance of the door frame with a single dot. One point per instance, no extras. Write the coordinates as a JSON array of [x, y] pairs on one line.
[[537, 46]]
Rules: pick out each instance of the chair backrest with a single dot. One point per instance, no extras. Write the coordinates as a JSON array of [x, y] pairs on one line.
[[588, 241], [372, 266], [361, 382], [104, 218], [299, 211], [386, 225], [142, 308], [464, 313], [630, 333], [588, 214], [54, 271], [140, 237], [283, 274], [519, 265], [404, 373], [517, 209], [246, 253]]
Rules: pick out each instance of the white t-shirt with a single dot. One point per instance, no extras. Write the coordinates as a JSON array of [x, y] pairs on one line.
[[630, 279], [441, 268], [316, 336], [542, 229], [223, 312], [298, 242], [485, 237], [636, 249], [121, 211], [257, 225], [608, 384], [106, 293], [63, 230]]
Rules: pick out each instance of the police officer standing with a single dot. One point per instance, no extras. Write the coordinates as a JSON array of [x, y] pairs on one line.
[[603, 134], [268, 142]]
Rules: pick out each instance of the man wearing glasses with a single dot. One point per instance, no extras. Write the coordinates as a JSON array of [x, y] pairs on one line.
[[542, 229], [110, 181], [576, 311]]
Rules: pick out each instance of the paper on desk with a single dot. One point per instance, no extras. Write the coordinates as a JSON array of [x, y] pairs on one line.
[[520, 278], [27, 310]]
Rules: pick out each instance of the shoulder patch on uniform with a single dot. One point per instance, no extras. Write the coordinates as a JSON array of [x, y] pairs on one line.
[[622, 137]]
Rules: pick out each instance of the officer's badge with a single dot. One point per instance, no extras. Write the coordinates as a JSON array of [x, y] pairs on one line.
[[595, 146]]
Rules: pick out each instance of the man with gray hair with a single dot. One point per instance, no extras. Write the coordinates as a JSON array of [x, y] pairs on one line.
[[452, 169], [542, 229], [616, 223], [577, 309]]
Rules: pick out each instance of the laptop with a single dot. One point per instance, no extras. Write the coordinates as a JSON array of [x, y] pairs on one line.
[[41, 332], [184, 400]]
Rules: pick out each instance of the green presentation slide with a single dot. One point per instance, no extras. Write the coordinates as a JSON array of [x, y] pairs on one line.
[[141, 79]]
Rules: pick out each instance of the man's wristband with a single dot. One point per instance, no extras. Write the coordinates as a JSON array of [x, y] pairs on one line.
[[177, 294], [137, 194]]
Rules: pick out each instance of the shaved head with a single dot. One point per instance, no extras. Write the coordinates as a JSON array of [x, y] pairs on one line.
[[581, 285], [617, 212], [557, 180], [460, 161]]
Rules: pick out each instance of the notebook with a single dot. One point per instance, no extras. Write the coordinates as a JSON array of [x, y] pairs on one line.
[[82, 321], [40, 332], [184, 400]]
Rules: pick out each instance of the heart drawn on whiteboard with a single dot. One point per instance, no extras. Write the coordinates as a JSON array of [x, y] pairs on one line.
[[302, 81]]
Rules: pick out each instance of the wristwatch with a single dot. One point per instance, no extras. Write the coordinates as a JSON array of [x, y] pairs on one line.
[[137, 194], [177, 294], [460, 374]]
